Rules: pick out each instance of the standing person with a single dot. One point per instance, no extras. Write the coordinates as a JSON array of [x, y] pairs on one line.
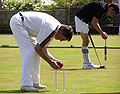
[[25, 26], [91, 13]]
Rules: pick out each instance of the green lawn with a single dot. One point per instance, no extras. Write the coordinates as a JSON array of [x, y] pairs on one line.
[[77, 80]]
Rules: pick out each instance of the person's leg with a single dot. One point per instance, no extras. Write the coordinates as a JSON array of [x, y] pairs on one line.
[[36, 65], [36, 71], [87, 63], [83, 29], [27, 52], [85, 51]]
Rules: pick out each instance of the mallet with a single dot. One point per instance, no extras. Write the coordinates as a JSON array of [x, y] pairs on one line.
[[101, 66], [94, 48]]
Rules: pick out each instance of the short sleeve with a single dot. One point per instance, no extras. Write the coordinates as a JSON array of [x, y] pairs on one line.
[[99, 12], [43, 38]]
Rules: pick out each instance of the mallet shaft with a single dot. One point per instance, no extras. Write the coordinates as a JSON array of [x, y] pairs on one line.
[[97, 57], [94, 48]]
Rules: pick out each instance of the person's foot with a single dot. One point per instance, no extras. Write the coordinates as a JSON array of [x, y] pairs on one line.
[[90, 66], [39, 86], [28, 89]]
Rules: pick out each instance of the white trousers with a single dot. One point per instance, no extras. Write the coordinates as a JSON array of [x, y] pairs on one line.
[[30, 59]]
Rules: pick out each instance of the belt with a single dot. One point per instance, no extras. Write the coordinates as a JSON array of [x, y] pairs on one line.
[[21, 16]]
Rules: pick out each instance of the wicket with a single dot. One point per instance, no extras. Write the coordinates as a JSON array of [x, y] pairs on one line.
[[105, 54], [63, 79]]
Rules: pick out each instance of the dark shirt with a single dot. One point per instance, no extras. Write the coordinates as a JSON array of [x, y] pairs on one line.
[[90, 10]]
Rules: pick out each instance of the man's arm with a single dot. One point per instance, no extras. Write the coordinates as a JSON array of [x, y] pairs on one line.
[[48, 54], [98, 28], [42, 54]]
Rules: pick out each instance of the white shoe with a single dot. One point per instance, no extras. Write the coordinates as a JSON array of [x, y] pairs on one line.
[[28, 89], [90, 66], [39, 86]]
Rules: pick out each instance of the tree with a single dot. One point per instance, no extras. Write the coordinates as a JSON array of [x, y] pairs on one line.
[[80, 3], [0, 5], [59, 4], [23, 5]]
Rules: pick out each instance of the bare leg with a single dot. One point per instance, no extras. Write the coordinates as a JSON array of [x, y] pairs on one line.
[[87, 63], [85, 39], [85, 52]]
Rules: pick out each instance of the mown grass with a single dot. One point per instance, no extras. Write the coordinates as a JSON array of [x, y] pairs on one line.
[[77, 80]]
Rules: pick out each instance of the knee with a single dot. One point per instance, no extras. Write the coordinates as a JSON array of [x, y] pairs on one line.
[[86, 42]]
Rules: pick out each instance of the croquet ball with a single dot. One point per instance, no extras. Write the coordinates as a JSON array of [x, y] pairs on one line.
[[60, 64]]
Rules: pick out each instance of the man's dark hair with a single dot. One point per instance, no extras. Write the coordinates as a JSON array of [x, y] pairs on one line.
[[67, 31], [115, 6]]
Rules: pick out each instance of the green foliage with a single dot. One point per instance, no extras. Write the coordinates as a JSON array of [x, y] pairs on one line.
[[37, 5], [106, 19], [62, 4], [23, 5], [59, 4]]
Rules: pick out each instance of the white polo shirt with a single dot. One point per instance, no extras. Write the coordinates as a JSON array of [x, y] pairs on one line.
[[41, 25]]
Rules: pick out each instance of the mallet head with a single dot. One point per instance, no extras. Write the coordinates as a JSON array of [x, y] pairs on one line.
[[102, 67]]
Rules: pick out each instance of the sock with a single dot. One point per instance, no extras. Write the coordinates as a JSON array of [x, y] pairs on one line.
[[86, 55]]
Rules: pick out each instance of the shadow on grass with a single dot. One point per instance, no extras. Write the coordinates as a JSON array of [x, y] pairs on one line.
[[18, 91], [73, 69]]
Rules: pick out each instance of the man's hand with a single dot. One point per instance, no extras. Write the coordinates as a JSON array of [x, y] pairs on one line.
[[104, 35], [98, 28], [42, 52], [33, 40], [54, 65]]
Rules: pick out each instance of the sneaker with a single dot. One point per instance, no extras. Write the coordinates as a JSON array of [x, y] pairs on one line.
[[39, 86], [28, 89], [90, 66]]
